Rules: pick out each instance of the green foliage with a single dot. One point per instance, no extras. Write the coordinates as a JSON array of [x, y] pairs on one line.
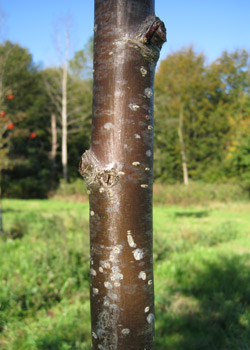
[[241, 163], [198, 193], [36, 94], [213, 98], [201, 277], [81, 65], [15, 63], [28, 158], [78, 64], [74, 190]]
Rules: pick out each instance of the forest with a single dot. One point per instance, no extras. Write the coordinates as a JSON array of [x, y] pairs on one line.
[[202, 119], [201, 201]]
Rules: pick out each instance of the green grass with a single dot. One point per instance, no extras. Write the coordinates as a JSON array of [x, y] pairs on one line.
[[202, 276]]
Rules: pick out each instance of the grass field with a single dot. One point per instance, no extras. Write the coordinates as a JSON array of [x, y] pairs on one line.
[[202, 276]]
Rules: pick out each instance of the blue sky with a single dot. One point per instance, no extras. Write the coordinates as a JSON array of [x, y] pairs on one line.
[[210, 26]]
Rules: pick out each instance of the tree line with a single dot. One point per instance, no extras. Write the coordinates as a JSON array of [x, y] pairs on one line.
[[202, 119]]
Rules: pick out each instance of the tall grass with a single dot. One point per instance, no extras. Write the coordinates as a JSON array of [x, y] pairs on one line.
[[197, 193], [174, 194], [202, 269]]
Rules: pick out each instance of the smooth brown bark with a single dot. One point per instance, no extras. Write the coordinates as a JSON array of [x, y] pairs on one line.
[[118, 171]]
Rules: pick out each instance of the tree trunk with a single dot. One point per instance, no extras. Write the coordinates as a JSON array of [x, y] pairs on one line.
[[1, 211], [183, 152], [53, 147], [64, 122], [118, 171]]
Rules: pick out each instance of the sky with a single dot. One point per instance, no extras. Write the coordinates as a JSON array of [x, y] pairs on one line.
[[211, 26]]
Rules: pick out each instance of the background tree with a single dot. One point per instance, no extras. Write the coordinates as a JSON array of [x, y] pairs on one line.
[[8, 116], [214, 96], [188, 91], [69, 89], [233, 69], [22, 81], [79, 100]]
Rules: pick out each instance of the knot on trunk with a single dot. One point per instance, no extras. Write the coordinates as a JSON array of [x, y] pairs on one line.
[[153, 32], [94, 175]]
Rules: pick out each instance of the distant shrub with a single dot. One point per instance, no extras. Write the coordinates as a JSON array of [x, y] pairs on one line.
[[26, 188], [172, 194], [197, 193], [75, 190]]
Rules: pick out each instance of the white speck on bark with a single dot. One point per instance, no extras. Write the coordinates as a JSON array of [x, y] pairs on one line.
[[147, 117], [131, 241], [148, 153], [106, 301], [143, 71], [100, 269], [150, 318], [150, 282], [113, 296], [125, 331], [144, 186], [142, 275], [92, 213], [95, 28], [116, 250], [116, 275], [150, 127], [133, 106], [101, 190], [108, 126], [138, 254], [146, 309], [136, 163], [95, 291], [147, 169], [108, 285], [107, 265], [137, 136], [110, 53], [93, 272], [117, 284], [94, 335], [148, 92]]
